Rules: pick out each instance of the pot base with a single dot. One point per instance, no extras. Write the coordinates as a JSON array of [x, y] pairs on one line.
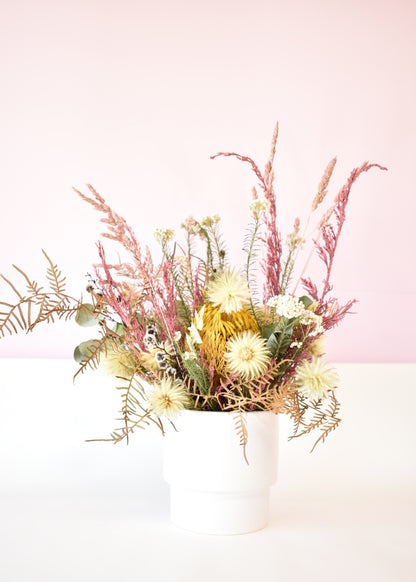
[[219, 513]]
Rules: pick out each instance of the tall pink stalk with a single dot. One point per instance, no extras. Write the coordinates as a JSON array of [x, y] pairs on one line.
[[272, 263], [331, 233]]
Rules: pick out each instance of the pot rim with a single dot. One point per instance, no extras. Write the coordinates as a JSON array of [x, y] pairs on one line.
[[251, 412]]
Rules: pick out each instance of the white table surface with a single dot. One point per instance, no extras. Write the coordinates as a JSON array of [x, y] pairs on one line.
[[76, 511]]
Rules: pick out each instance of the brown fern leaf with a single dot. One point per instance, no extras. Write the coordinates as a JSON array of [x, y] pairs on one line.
[[10, 319], [92, 357], [54, 277], [240, 424], [332, 420]]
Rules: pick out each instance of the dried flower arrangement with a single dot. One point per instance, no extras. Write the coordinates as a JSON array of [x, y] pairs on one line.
[[191, 332]]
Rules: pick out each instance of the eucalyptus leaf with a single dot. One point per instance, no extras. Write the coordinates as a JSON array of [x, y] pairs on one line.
[[83, 351], [85, 316], [78, 355], [119, 329]]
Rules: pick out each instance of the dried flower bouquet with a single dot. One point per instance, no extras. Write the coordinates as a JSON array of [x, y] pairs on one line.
[[191, 331]]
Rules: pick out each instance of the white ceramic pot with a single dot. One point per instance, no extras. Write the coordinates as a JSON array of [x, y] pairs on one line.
[[212, 488]]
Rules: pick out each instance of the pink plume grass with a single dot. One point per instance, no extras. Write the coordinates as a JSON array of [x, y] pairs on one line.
[[330, 233], [116, 298]]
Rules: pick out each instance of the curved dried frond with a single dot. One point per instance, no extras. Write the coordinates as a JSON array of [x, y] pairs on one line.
[[240, 425], [37, 306], [323, 417], [54, 277], [135, 415], [92, 354]]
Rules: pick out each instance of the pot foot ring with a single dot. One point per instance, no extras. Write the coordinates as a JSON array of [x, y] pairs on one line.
[[219, 513]]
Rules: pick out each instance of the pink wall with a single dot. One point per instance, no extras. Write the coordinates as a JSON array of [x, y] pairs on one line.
[[135, 96]]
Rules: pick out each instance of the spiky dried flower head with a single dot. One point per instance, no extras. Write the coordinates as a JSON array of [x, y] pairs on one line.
[[119, 362], [315, 378], [228, 291], [168, 398], [217, 328], [317, 347], [164, 235], [247, 355], [286, 305]]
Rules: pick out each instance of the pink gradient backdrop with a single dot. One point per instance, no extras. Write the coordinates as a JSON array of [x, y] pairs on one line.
[[134, 97]]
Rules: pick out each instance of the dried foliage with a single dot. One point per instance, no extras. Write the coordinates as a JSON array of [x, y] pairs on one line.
[[167, 328], [37, 305]]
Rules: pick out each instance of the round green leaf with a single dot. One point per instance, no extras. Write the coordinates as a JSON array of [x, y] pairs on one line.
[[85, 316], [83, 351], [119, 329]]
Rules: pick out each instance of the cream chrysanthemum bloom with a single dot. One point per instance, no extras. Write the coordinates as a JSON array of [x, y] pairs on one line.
[[168, 398], [228, 291], [317, 347], [316, 378], [118, 363], [247, 355]]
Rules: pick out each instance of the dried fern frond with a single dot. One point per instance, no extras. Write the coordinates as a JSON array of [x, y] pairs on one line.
[[323, 416], [37, 306], [135, 414], [240, 425]]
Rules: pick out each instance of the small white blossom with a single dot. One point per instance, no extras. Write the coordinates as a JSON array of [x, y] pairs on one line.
[[177, 336], [294, 240], [209, 221], [313, 320], [286, 306], [164, 235], [258, 206], [191, 225], [296, 345], [189, 356]]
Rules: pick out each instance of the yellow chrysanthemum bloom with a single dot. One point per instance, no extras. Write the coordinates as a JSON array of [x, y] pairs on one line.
[[228, 291], [217, 329], [119, 362], [247, 355], [316, 378], [168, 398]]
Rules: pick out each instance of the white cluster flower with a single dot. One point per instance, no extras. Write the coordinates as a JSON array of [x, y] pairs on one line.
[[164, 235], [177, 336], [286, 306], [313, 320], [209, 221], [258, 206], [294, 240], [191, 225], [189, 356], [296, 345]]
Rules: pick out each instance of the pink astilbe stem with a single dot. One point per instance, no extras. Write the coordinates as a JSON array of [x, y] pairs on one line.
[[121, 304], [169, 299], [331, 233], [118, 229]]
